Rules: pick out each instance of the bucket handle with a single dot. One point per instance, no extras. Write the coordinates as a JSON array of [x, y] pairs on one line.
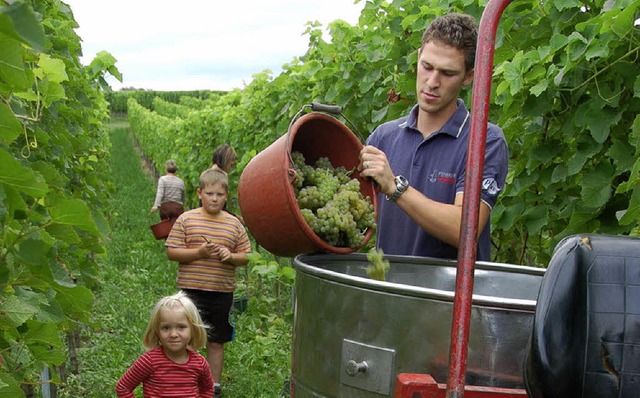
[[336, 110], [161, 213], [319, 107]]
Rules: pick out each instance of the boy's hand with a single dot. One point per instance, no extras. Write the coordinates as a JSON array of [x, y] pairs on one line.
[[214, 250], [208, 250], [223, 253]]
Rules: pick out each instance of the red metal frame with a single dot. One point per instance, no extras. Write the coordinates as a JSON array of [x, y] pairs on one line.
[[472, 187], [423, 386]]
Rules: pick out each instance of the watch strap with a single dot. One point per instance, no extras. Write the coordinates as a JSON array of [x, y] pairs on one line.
[[401, 185]]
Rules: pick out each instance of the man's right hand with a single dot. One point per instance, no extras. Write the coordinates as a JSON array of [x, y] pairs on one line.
[[374, 164]]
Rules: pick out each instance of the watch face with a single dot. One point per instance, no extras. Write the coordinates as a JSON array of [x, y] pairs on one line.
[[402, 183]]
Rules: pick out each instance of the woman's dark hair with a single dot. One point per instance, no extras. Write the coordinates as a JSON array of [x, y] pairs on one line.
[[224, 156]]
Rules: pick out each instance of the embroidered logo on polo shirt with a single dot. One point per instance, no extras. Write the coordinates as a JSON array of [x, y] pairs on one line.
[[490, 185], [443, 177]]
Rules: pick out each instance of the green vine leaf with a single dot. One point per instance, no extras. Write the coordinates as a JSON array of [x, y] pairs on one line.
[[42, 332], [566, 4], [20, 178], [596, 188], [632, 214], [104, 61], [52, 69], [18, 21], [621, 23], [9, 386], [73, 212], [10, 127], [33, 251], [47, 354], [75, 301], [12, 66], [14, 312]]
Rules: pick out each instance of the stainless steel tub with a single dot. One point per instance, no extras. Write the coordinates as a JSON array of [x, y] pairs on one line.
[[354, 335]]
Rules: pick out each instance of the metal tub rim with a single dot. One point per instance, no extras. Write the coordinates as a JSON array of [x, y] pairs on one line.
[[417, 291]]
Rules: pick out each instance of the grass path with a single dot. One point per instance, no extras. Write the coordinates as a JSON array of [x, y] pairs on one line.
[[135, 273]]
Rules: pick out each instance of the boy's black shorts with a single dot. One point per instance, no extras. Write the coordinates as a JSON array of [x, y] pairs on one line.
[[214, 308]]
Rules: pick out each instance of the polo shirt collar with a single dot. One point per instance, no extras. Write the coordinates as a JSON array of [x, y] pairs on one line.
[[453, 127]]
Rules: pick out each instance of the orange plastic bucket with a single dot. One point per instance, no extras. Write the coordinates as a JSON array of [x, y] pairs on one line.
[[265, 189], [161, 230]]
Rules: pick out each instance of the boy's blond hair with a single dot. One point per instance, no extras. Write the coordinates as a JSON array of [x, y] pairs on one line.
[[151, 339], [213, 176]]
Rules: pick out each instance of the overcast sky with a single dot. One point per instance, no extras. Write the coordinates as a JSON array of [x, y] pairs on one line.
[[200, 44]]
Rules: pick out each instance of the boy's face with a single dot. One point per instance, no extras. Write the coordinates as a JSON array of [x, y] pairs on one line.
[[213, 198]]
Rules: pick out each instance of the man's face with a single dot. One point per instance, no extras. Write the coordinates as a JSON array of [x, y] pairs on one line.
[[213, 198], [441, 76]]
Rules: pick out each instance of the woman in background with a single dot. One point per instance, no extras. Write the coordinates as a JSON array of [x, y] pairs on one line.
[[170, 194], [223, 158]]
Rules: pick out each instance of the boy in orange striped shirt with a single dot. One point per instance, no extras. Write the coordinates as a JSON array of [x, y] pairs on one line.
[[209, 243]]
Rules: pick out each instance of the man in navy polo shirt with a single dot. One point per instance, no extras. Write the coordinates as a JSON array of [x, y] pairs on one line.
[[419, 160]]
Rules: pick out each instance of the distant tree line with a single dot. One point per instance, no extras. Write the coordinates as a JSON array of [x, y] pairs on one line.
[[118, 99]]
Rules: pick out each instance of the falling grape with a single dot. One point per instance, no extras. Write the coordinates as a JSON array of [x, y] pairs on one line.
[[331, 202], [378, 266]]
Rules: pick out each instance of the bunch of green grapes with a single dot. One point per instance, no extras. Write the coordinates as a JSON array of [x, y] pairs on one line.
[[331, 202]]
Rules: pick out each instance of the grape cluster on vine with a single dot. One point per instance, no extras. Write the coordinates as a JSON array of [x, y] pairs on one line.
[[331, 202]]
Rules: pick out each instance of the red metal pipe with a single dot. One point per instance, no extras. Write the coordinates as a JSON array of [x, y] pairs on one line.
[[471, 203]]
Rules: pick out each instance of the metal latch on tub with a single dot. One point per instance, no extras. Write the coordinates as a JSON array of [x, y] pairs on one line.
[[367, 367]]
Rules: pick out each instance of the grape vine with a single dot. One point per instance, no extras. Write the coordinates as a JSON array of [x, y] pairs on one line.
[[567, 97], [54, 189]]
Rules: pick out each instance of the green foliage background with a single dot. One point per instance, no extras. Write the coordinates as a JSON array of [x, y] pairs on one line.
[[566, 90], [53, 184]]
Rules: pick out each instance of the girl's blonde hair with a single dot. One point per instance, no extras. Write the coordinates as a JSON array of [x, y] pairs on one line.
[[151, 339]]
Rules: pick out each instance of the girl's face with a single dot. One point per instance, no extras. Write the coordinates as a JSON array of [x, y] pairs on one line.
[[174, 331], [230, 163]]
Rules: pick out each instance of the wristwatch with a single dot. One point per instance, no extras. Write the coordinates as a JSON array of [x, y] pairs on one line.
[[401, 185]]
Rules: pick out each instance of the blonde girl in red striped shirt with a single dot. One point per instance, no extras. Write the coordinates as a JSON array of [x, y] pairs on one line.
[[171, 367]]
